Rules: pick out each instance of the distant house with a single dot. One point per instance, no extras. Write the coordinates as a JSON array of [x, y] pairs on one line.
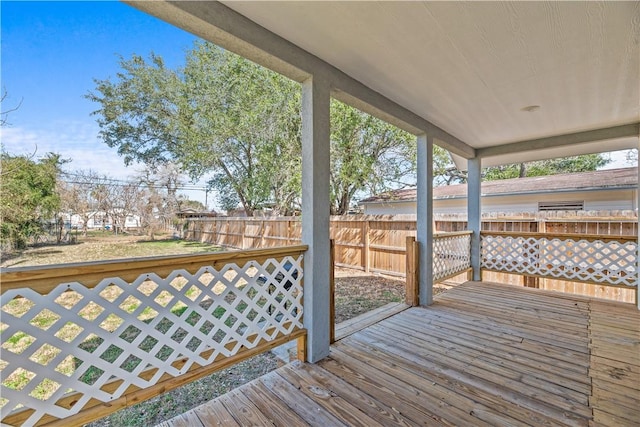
[[609, 190], [100, 220], [190, 213]]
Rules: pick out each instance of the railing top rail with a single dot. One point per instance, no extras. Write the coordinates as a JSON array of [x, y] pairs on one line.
[[575, 236], [452, 233], [46, 277]]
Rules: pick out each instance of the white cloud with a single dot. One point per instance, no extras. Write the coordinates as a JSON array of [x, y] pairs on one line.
[[75, 141], [78, 142]]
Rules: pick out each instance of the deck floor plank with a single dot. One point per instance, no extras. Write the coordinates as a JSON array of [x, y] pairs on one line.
[[485, 366], [483, 354], [303, 406], [214, 413], [509, 336], [326, 398], [271, 406], [188, 419], [461, 402], [386, 415], [409, 399], [243, 410], [615, 364], [486, 387], [348, 327]]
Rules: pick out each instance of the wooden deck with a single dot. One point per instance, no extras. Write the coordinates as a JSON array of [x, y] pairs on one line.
[[481, 355]]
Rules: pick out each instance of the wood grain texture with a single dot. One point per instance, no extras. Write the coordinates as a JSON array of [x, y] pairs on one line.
[[483, 354], [43, 279]]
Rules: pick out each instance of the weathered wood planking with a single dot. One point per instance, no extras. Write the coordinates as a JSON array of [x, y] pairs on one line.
[[483, 354], [351, 326], [615, 364]]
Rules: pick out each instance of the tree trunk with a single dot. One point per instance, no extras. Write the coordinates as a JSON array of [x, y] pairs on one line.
[[523, 170]]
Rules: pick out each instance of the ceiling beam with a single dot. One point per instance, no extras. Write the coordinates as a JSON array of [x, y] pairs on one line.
[[223, 26], [595, 135]]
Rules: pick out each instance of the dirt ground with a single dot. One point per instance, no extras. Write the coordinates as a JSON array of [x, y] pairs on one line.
[[358, 292]]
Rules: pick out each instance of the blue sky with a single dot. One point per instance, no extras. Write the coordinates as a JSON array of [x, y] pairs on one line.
[[51, 54]]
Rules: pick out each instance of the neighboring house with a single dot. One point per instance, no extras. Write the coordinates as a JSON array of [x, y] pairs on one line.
[[99, 220], [190, 213], [614, 189]]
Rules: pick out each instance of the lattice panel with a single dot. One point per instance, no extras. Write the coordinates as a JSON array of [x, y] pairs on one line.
[[451, 255], [82, 340], [609, 262]]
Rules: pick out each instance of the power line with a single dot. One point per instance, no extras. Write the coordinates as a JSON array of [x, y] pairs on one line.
[[124, 183], [140, 184]]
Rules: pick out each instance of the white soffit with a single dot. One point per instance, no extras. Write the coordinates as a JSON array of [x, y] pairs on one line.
[[471, 67]]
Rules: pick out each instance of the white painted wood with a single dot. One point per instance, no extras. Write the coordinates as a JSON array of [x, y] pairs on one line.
[[607, 262], [83, 338], [315, 214], [627, 132], [451, 254], [471, 67], [424, 226], [474, 209]]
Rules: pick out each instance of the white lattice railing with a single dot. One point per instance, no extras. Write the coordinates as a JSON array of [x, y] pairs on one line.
[[82, 340], [594, 259], [451, 254]]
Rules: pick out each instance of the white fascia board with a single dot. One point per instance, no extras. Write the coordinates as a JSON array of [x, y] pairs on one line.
[[225, 27], [591, 141]]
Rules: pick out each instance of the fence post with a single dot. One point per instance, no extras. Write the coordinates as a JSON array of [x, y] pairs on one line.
[[302, 348], [412, 286], [365, 248], [244, 232], [531, 281], [332, 291]]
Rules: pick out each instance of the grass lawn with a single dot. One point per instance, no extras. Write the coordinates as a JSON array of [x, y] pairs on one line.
[[356, 293], [104, 245]]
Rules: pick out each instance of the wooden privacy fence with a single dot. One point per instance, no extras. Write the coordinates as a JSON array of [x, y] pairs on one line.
[[80, 341], [364, 243], [378, 243]]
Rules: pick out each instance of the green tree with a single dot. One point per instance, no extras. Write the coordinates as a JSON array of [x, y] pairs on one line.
[[584, 163], [185, 203], [446, 173], [225, 116], [28, 196], [242, 124], [366, 154]]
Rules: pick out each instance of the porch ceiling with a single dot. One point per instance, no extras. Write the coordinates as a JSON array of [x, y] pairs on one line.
[[472, 68]]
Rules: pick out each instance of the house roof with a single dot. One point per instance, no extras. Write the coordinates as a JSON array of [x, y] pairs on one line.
[[614, 179], [508, 82]]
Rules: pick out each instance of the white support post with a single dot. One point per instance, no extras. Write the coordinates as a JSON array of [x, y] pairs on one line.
[[474, 210], [315, 215], [424, 233]]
